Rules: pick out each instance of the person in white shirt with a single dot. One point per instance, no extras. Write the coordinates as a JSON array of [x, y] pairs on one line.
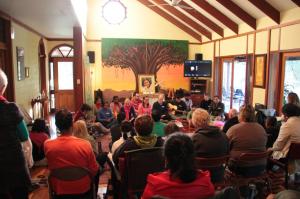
[[289, 131]]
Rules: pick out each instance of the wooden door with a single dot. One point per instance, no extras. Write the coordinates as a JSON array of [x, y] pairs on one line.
[[64, 83]]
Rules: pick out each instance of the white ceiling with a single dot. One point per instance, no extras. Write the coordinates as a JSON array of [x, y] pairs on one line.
[[51, 18]]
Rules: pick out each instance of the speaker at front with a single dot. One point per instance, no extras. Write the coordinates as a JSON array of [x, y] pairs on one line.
[[198, 56], [91, 55]]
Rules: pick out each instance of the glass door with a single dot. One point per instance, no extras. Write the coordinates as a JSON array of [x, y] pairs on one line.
[[291, 75], [233, 82]]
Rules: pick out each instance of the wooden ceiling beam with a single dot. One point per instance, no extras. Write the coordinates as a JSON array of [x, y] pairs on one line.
[[239, 12], [203, 19], [268, 9], [217, 14], [171, 19], [297, 2], [194, 25]]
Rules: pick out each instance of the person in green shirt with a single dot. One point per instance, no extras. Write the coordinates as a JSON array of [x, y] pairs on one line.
[[158, 128]]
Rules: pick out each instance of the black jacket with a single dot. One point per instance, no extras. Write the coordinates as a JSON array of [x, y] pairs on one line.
[[229, 123]]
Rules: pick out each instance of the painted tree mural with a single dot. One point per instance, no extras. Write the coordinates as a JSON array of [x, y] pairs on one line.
[[143, 56]]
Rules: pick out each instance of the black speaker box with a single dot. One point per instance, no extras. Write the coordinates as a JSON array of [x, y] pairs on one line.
[[198, 56], [91, 55]]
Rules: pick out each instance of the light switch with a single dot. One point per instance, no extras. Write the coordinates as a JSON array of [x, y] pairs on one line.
[[78, 81]]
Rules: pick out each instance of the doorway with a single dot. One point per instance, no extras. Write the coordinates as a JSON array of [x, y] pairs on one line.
[[62, 78], [290, 76], [233, 82]]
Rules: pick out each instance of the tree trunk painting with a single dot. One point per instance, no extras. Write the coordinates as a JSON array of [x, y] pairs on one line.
[[143, 56]]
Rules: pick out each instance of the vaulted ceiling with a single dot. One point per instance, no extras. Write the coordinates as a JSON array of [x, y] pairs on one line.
[[203, 17], [55, 18]]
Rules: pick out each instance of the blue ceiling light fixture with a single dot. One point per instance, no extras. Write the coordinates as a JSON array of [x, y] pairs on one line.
[[114, 12]]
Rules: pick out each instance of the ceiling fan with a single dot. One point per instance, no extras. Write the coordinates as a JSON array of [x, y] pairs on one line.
[[174, 3]]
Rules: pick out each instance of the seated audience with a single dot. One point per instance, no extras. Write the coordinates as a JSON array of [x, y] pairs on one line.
[[233, 120], [105, 115], [145, 108], [182, 179], [171, 128], [97, 105], [143, 126], [206, 102], [179, 106], [136, 101], [83, 114], [115, 106], [14, 173], [115, 129], [67, 150], [38, 135], [209, 141], [289, 131], [128, 110], [272, 130], [247, 137], [80, 131], [293, 98], [216, 107], [127, 132], [188, 101], [158, 128], [162, 106]]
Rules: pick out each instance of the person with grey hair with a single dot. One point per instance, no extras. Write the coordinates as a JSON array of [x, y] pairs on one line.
[[15, 178], [209, 141], [233, 120]]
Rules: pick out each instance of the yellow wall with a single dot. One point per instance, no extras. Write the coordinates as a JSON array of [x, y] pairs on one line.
[[289, 39], [28, 88], [141, 23]]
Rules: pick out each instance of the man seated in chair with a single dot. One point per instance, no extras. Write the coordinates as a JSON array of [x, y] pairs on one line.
[[216, 108], [143, 126], [67, 151], [178, 106]]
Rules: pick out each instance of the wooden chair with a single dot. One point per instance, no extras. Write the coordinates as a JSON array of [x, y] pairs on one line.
[[71, 174], [293, 154], [211, 164], [134, 169], [239, 180]]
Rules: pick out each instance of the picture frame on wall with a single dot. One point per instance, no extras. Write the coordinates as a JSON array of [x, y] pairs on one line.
[[146, 84], [260, 71]]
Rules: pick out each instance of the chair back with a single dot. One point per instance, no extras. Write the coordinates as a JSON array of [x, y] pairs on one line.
[[70, 173], [206, 163], [247, 157], [140, 163], [294, 151]]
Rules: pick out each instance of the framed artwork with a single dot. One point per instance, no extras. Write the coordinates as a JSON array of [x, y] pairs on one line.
[[260, 71], [146, 84], [20, 63]]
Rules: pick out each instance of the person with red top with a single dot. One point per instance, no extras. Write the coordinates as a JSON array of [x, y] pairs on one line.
[[136, 101], [145, 108], [68, 150], [115, 106], [38, 135], [128, 110], [182, 179]]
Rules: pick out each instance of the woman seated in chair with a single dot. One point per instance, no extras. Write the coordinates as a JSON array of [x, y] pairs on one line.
[[38, 135], [182, 179], [247, 137]]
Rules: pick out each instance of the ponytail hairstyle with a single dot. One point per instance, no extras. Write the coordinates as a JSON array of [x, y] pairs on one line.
[[180, 156]]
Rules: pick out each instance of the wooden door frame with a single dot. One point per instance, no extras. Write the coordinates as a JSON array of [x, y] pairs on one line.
[[220, 93], [55, 60], [281, 74]]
